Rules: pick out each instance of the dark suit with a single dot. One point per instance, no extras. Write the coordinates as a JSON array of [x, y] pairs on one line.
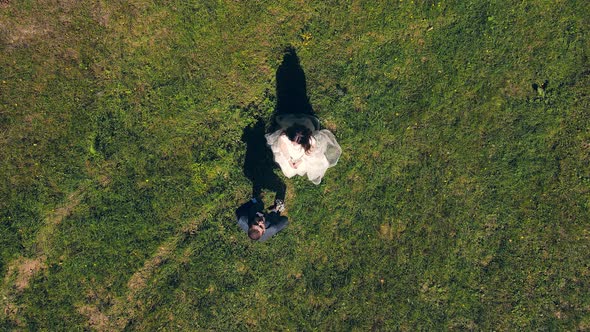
[[273, 221]]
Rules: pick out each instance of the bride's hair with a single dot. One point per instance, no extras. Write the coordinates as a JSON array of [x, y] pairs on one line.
[[301, 135]]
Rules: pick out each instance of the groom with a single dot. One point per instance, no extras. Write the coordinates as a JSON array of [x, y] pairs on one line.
[[261, 226]]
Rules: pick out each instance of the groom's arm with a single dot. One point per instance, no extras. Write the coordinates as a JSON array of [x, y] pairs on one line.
[[275, 227], [242, 215], [244, 211]]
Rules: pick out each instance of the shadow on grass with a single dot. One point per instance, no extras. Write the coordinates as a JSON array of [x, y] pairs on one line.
[[259, 162], [291, 88], [291, 92]]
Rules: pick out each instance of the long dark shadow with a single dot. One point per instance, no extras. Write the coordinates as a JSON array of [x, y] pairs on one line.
[[291, 87], [291, 92], [259, 162]]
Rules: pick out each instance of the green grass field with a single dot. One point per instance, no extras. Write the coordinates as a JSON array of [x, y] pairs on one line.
[[461, 200]]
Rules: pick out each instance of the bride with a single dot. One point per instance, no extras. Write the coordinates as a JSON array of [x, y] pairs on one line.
[[300, 148]]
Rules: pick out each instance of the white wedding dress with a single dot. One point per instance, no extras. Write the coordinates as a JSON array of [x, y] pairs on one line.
[[324, 152]]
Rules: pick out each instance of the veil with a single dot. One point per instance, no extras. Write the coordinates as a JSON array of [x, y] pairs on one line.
[[327, 145], [326, 153], [326, 142]]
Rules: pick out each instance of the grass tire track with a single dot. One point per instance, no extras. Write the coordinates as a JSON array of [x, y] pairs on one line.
[[128, 307], [22, 269]]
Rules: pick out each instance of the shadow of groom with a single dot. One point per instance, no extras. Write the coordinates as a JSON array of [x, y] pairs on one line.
[[259, 162]]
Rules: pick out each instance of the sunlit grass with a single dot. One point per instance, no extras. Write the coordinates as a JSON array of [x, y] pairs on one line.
[[460, 201]]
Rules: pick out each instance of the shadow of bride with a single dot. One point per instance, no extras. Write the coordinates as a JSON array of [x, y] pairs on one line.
[[291, 88], [259, 162]]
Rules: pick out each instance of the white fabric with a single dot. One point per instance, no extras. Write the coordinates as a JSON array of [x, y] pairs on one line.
[[323, 154]]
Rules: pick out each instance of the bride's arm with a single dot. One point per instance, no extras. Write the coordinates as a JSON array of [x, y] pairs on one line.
[[283, 141], [283, 146]]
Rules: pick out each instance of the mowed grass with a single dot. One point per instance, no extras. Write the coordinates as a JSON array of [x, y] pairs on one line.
[[461, 200]]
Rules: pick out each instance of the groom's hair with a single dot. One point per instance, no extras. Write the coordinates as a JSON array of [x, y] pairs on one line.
[[254, 234]]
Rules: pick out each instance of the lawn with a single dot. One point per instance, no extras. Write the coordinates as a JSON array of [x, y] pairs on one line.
[[461, 200]]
